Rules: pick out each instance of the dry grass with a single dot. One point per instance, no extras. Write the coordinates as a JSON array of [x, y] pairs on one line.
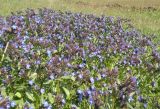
[[144, 13]]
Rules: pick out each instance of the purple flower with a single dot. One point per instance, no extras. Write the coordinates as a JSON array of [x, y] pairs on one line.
[[91, 101], [130, 99], [80, 76], [140, 99], [14, 26], [51, 76], [79, 91], [45, 104], [13, 104], [38, 62], [103, 75], [80, 95], [31, 82], [63, 101], [28, 66], [89, 92], [153, 84], [104, 85], [42, 91], [92, 88], [134, 80], [49, 53], [145, 105], [69, 65], [92, 80], [81, 65], [1, 97], [49, 107], [100, 92], [8, 106]]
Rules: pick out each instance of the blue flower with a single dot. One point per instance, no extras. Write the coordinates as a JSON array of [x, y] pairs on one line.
[[49, 53], [140, 99], [79, 91], [38, 62], [153, 84], [89, 92], [8, 106], [49, 107], [92, 88], [104, 85], [14, 26], [28, 66], [1, 97], [80, 95], [92, 80], [80, 76], [51, 76], [45, 104], [42, 91], [13, 104], [91, 101], [63, 101], [130, 99], [31, 82], [145, 105]]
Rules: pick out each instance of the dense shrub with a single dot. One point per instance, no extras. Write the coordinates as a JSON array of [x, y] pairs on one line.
[[53, 59]]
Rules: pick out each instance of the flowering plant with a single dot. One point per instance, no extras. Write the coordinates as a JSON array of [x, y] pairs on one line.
[[53, 59]]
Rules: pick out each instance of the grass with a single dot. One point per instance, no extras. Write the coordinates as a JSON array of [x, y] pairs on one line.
[[144, 14]]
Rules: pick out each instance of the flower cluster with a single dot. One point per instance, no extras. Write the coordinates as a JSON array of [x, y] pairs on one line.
[[53, 59]]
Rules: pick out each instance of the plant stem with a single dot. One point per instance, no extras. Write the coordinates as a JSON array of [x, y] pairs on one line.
[[5, 50]]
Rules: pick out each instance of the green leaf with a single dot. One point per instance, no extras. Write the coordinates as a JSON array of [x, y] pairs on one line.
[[33, 76], [48, 82], [68, 77], [30, 96], [11, 95], [18, 94], [3, 91], [129, 106], [66, 92], [20, 103], [50, 97]]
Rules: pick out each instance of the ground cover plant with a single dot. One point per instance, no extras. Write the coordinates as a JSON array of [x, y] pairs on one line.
[[53, 59], [144, 13]]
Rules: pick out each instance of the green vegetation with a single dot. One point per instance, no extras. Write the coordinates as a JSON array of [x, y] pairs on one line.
[[144, 13], [97, 54], [56, 60]]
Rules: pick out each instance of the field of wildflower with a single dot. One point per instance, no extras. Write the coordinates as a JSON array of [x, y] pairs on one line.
[[63, 60]]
